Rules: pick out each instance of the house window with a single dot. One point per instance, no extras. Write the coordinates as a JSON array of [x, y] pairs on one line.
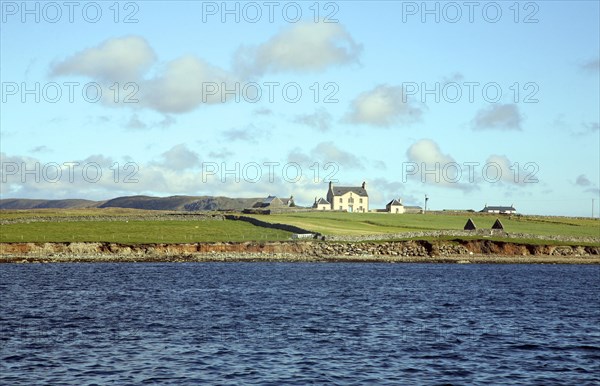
[[360, 200], [341, 199]]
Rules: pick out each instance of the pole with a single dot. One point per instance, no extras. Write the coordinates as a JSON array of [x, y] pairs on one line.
[[592, 208]]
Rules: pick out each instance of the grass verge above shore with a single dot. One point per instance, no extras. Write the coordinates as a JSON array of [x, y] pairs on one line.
[[341, 223], [138, 232], [143, 226]]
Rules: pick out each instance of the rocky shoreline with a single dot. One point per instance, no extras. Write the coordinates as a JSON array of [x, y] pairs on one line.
[[442, 251]]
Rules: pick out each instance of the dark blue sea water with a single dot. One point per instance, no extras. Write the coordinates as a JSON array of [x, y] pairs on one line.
[[276, 324]]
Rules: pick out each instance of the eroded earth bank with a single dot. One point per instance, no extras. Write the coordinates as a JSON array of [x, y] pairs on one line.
[[452, 251]]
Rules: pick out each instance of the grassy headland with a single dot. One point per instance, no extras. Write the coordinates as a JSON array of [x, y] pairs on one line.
[[340, 223], [129, 226], [147, 226], [49, 235]]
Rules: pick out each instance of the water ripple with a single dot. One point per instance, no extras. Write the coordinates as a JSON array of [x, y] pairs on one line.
[[298, 324]]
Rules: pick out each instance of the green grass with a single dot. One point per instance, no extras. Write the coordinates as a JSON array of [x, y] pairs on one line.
[[154, 230], [138, 232], [458, 239], [335, 223], [66, 213]]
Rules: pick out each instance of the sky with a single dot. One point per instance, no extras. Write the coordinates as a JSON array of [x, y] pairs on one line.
[[469, 103]]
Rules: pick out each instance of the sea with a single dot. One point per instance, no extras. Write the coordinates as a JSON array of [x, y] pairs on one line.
[[299, 324]]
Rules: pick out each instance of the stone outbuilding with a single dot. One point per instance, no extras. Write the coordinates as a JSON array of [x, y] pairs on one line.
[[498, 225], [275, 202], [470, 225]]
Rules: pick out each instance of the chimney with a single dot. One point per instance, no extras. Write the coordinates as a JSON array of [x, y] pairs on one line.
[[330, 184], [364, 185]]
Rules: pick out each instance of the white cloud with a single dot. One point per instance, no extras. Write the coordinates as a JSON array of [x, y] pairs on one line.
[[40, 149], [429, 165], [135, 123], [172, 175], [250, 134], [588, 186], [300, 157], [115, 60], [320, 120], [592, 66], [498, 117], [303, 47], [166, 122], [329, 152], [383, 106], [582, 180], [323, 153], [263, 111], [185, 84], [592, 127], [220, 154], [453, 78], [179, 157], [499, 168], [384, 190], [428, 152]]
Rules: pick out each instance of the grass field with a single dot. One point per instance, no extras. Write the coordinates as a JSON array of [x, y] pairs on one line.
[[335, 223], [59, 213], [132, 229], [138, 232]]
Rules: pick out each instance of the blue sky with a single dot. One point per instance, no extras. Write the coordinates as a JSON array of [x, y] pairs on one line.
[[493, 102]]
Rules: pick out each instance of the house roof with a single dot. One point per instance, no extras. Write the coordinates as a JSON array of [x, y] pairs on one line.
[[498, 224], [269, 199], [341, 190], [499, 208], [470, 225], [322, 201], [394, 202]]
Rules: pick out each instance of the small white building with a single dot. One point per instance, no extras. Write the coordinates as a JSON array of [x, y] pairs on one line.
[[395, 206], [499, 209], [275, 202], [321, 204]]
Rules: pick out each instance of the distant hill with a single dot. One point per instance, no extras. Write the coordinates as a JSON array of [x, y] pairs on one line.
[[22, 203], [147, 202], [181, 203]]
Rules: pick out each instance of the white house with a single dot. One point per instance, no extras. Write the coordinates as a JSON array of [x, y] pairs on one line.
[[321, 204], [275, 202], [395, 206], [348, 198], [499, 209]]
